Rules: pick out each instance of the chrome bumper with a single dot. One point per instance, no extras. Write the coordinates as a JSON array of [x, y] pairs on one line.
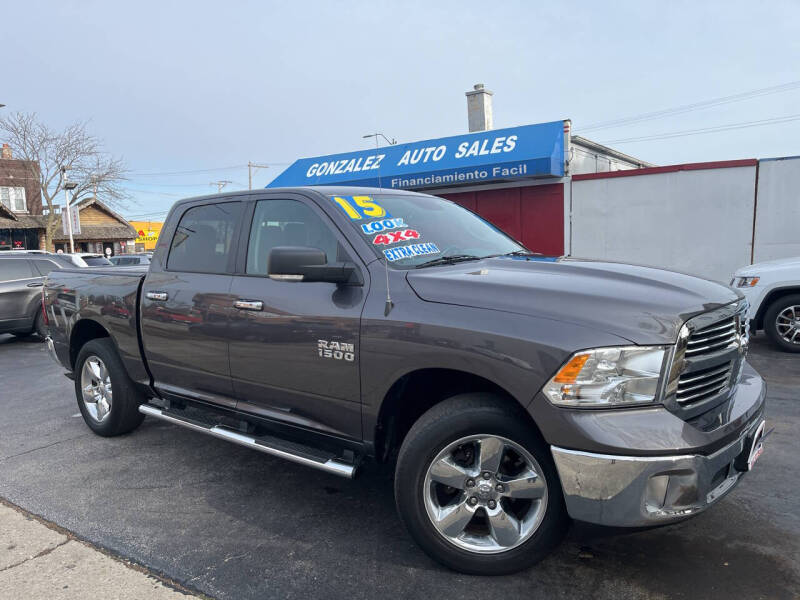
[[634, 491]]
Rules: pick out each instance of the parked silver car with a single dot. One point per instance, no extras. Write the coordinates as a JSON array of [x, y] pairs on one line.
[[21, 280]]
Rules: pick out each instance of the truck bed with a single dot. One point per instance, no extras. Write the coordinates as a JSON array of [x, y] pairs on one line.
[[105, 296]]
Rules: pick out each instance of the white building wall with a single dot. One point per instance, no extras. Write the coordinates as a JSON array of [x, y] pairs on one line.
[[694, 221], [777, 232]]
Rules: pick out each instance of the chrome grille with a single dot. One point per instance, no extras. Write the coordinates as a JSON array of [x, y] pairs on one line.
[[712, 338], [698, 385], [708, 359]]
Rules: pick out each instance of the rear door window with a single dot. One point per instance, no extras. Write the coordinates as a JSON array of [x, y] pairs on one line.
[[12, 269], [203, 239]]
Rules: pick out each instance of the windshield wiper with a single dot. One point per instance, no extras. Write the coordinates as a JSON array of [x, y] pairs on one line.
[[447, 260], [516, 253]]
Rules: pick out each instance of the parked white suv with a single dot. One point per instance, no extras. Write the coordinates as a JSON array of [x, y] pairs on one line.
[[773, 290]]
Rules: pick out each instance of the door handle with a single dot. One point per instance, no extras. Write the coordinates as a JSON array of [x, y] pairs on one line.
[[160, 296], [36, 284], [249, 304]]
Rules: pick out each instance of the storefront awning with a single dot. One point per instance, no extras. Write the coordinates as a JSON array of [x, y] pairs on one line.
[[530, 151]]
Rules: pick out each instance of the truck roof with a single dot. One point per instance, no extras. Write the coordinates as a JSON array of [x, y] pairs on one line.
[[325, 190]]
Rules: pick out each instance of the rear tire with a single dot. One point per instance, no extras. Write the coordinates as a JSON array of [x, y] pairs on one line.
[[780, 325], [512, 512], [107, 398], [39, 328]]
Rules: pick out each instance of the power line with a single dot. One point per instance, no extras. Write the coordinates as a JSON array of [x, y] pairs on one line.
[[209, 170], [153, 193], [147, 215], [134, 182], [171, 173], [731, 126], [685, 108]]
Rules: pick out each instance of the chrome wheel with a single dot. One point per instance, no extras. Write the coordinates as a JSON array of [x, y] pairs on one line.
[[96, 388], [485, 494], [788, 324]]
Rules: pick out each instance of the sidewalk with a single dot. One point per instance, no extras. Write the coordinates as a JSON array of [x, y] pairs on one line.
[[39, 562]]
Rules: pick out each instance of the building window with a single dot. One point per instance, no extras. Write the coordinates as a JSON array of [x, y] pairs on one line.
[[13, 198]]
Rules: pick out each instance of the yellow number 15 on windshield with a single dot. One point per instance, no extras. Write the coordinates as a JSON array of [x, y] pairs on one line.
[[361, 207]]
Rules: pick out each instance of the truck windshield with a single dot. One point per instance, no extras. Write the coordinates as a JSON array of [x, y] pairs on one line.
[[414, 231]]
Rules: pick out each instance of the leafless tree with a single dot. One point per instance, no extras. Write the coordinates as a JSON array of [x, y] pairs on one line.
[[73, 149]]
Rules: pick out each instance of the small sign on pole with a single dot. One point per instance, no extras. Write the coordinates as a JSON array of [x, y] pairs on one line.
[[68, 212]]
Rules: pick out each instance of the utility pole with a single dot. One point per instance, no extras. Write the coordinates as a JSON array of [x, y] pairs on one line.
[[220, 184], [250, 167], [68, 187]]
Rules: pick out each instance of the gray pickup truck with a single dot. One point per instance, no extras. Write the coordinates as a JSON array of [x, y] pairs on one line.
[[510, 392]]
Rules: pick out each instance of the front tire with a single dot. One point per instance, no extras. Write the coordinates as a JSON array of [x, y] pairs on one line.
[[782, 323], [477, 488], [107, 398]]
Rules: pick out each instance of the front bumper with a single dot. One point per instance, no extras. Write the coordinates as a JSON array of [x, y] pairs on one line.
[[634, 491]]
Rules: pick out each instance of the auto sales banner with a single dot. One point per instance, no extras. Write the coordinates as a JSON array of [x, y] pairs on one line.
[[513, 153]]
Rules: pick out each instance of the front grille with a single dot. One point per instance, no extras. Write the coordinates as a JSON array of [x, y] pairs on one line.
[[708, 360], [699, 385], [712, 338]]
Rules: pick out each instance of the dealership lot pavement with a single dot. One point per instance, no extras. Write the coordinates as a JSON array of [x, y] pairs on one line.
[[233, 523]]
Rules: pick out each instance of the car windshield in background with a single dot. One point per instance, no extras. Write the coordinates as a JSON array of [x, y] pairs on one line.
[[413, 231], [96, 261]]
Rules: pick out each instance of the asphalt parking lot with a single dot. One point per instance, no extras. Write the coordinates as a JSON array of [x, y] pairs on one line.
[[233, 523]]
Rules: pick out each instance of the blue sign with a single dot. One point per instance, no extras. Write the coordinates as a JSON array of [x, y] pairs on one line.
[[513, 153]]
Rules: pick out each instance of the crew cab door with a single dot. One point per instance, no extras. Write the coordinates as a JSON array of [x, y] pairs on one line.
[[294, 345], [187, 301]]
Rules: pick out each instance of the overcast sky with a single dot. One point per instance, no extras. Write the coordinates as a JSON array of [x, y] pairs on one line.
[[184, 86]]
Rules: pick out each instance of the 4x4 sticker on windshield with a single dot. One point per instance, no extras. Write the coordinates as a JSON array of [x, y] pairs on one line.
[[395, 237], [360, 207], [376, 226], [410, 251]]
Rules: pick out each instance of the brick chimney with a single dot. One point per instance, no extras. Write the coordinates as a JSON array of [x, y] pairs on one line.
[[479, 108], [6, 151]]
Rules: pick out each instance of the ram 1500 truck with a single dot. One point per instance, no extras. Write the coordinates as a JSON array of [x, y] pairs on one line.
[[511, 392]]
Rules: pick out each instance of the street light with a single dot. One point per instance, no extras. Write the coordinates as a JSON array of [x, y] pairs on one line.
[[68, 187], [391, 142], [375, 135]]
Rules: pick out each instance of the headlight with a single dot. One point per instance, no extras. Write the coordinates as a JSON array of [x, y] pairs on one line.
[[620, 375], [744, 281]]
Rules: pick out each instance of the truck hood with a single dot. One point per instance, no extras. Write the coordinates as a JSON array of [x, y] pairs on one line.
[[641, 304]]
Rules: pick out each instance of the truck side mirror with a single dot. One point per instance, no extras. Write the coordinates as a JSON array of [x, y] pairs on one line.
[[298, 263]]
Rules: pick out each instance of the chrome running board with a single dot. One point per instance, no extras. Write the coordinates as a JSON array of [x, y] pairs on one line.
[[296, 453]]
